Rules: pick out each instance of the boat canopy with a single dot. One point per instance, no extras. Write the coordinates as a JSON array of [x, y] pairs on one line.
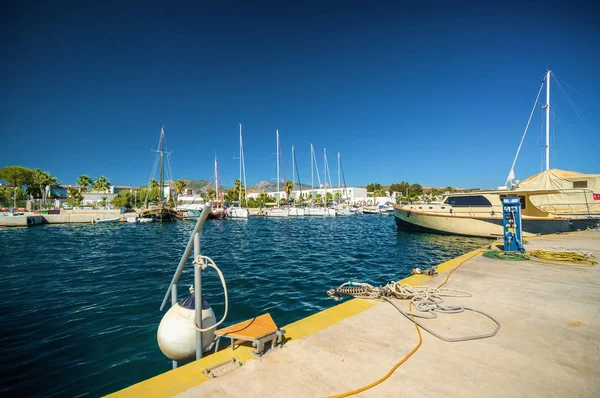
[[575, 191]]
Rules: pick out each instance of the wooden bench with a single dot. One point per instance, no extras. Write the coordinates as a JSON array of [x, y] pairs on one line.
[[259, 331]]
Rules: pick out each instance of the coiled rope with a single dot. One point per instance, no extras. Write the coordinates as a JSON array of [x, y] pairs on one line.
[[365, 289], [543, 256]]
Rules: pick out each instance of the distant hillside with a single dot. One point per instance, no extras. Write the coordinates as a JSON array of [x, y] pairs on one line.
[[200, 186], [270, 186]]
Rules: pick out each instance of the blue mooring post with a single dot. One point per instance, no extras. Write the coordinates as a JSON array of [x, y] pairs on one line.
[[511, 223]]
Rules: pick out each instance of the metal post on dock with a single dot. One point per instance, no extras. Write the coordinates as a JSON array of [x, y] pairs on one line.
[[198, 296], [173, 302]]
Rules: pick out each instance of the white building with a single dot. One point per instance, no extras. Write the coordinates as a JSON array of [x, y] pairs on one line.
[[352, 195]]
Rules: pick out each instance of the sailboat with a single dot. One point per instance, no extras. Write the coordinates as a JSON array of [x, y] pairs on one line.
[[294, 211], [277, 212], [217, 210], [342, 208], [313, 210], [551, 201], [159, 210], [235, 210]]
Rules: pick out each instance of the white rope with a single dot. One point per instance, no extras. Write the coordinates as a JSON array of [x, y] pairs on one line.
[[203, 262], [426, 299]]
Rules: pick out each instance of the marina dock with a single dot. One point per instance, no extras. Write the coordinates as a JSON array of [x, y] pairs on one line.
[[64, 217], [547, 344]]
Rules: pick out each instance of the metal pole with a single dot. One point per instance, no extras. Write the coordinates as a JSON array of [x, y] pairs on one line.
[[173, 302], [198, 296], [15, 199], [547, 120], [186, 254]]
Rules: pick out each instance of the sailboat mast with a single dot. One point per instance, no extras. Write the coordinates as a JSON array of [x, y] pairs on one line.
[[162, 141], [277, 132], [325, 175], [312, 171], [339, 180], [240, 164], [216, 181], [293, 168], [548, 119]]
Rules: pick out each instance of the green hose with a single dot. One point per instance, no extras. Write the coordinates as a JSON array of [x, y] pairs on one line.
[[509, 256]]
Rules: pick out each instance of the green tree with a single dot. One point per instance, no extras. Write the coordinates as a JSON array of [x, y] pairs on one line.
[[337, 196], [211, 195], [379, 193], [16, 176], [262, 198], [84, 181], [401, 187], [124, 198], [101, 184], [41, 179], [449, 189], [180, 186], [234, 193], [289, 186], [153, 183], [373, 187], [328, 197], [416, 189], [75, 197]]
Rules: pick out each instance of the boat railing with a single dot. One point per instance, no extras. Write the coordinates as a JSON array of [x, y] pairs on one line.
[[193, 243]]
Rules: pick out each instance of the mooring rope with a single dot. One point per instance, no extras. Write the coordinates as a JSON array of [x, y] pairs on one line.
[[427, 300]]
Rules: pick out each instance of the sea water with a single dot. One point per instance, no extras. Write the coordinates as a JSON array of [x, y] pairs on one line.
[[79, 304]]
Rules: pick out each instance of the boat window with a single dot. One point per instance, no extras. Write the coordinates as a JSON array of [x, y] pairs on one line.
[[579, 184], [474, 201], [443, 207]]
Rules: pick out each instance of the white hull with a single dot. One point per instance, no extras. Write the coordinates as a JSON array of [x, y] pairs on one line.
[[237, 212], [314, 211], [344, 211], [330, 212], [277, 213], [106, 220], [296, 212]]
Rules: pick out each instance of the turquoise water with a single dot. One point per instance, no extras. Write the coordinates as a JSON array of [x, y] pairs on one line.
[[79, 304]]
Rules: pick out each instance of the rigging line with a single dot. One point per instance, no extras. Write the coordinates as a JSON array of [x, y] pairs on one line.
[[316, 167], [298, 174], [573, 88], [573, 143], [343, 178], [586, 124], [512, 168]]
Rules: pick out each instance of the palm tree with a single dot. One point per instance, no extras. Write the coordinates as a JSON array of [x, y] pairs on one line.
[[328, 197], [101, 184], [180, 186], [211, 195], [84, 181], [42, 179], [153, 183], [289, 186], [262, 198]]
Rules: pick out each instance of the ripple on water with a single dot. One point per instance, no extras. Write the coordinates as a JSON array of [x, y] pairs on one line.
[[79, 304]]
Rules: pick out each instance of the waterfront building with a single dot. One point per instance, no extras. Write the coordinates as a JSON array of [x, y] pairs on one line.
[[352, 195]]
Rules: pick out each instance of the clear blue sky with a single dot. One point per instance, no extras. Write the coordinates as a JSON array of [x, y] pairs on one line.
[[437, 93]]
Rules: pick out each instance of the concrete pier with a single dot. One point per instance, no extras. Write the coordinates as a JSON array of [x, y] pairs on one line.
[[548, 344], [64, 217]]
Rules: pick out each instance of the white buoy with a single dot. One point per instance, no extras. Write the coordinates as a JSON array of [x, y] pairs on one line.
[[177, 331]]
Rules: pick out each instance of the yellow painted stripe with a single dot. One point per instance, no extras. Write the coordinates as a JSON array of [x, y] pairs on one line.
[[185, 377]]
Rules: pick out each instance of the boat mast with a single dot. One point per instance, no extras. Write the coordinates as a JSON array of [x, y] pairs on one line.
[[325, 175], [293, 168], [548, 119], [240, 164], [160, 149], [312, 172], [339, 181], [216, 181], [277, 132]]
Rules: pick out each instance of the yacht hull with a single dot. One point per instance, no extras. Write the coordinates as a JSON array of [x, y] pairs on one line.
[[296, 212], [485, 227]]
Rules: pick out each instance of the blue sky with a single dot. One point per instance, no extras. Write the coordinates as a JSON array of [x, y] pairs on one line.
[[437, 93]]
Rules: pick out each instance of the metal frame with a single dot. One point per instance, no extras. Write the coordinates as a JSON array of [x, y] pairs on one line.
[[274, 338], [193, 243]]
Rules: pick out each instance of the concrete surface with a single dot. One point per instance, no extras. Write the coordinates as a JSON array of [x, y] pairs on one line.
[[549, 343], [548, 346]]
